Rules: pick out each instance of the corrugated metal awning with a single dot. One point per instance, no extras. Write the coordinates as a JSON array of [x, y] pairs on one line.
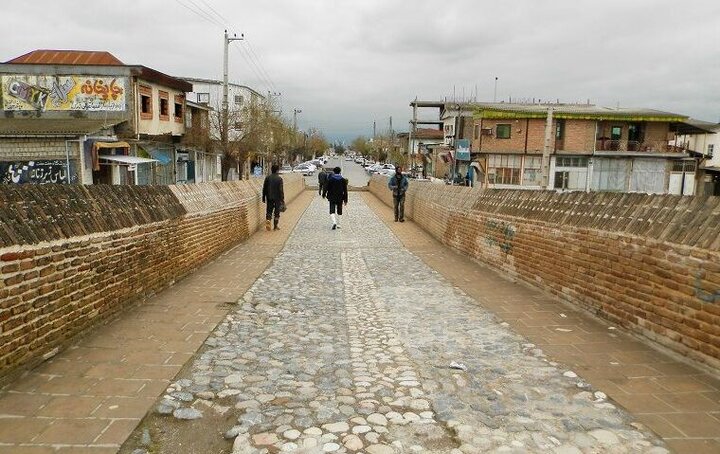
[[126, 159]]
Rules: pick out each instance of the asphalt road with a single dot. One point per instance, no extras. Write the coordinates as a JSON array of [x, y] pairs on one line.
[[355, 173]]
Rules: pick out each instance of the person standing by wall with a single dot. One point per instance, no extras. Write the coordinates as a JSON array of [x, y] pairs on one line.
[[335, 190], [398, 184], [273, 196]]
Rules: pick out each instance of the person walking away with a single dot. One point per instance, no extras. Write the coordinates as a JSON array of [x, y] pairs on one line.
[[335, 190], [273, 196], [322, 180], [398, 184]]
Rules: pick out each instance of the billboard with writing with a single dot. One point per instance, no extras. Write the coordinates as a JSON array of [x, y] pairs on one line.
[[48, 93]]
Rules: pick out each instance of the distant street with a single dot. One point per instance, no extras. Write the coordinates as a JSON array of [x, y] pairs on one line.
[[355, 173]]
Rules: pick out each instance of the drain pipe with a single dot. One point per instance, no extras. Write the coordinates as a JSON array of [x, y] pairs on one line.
[[67, 160]]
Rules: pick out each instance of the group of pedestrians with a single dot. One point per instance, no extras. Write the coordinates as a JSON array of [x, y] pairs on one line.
[[333, 187]]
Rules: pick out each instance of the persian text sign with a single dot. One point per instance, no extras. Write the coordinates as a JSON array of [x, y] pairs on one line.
[[45, 93], [38, 172]]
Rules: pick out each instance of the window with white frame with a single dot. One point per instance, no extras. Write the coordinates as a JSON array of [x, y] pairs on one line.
[[504, 169], [570, 173], [532, 171]]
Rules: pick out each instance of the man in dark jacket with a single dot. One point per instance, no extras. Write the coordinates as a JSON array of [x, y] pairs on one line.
[[322, 180], [398, 184], [273, 196], [337, 194]]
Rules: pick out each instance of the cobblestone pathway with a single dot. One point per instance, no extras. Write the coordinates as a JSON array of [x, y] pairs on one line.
[[349, 343]]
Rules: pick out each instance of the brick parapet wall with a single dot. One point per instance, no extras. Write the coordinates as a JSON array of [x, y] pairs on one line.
[[56, 288], [648, 263]]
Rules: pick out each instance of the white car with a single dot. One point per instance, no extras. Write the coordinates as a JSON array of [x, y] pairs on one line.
[[304, 169], [285, 169], [374, 168]]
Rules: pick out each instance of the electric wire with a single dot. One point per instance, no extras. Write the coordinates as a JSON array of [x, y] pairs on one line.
[[211, 15], [199, 13]]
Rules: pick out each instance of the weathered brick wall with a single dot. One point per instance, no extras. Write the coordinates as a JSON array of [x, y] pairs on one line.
[[79, 255], [650, 263], [579, 136]]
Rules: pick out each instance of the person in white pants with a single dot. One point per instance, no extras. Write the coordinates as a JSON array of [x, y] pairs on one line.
[[335, 190]]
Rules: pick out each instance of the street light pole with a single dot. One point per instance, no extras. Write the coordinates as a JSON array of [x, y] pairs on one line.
[[294, 138], [224, 131], [295, 112]]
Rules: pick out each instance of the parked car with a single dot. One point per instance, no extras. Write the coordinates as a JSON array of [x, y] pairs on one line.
[[304, 169], [285, 169], [374, 168], [348, 158]]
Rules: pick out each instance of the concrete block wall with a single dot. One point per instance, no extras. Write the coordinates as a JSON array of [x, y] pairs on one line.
[[649, 263], [74, 256], [28, 149]]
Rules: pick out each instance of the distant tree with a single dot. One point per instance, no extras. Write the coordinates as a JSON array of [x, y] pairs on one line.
[[314, 144], [339, 148], [362, 146], [253, 131]]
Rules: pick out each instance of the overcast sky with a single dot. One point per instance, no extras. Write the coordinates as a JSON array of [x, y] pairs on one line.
[[349, 63]]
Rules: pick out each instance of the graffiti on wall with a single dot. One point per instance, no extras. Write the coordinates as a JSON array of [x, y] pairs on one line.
[[501, 234], [47, 93], [701, 293], [37, 172]]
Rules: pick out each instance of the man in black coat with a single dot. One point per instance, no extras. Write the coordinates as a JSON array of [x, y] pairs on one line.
[[337, 194], [322, 180], [273, 196]]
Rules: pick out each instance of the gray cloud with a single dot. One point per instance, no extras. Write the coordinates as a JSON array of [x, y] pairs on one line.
[[347, 63]]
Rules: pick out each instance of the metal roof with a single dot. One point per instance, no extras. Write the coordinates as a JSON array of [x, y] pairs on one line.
[[52, 127], [67, 57], [692, 126], [127, 159], [219, 82], [578, 111]]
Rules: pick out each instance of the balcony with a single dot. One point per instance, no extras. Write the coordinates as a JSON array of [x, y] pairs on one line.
[[603, 144]]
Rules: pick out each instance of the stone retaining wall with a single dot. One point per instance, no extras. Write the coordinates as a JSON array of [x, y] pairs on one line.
[[74, 256], [650, 263]]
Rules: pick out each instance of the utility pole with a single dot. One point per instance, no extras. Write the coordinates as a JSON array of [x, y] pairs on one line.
[[392, 137], [374, 145], [295, 112], [495, 92], [224, 132], [546, 148]]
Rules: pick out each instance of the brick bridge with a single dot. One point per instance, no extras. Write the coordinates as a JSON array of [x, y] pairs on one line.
[[493, 320]]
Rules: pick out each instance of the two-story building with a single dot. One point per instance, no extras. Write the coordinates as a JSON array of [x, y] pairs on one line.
[[86, 117], [702, 138], [581, 147], [209, 92]]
